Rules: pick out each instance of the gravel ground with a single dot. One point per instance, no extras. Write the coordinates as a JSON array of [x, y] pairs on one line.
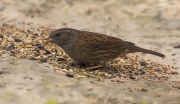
[[150, 24]]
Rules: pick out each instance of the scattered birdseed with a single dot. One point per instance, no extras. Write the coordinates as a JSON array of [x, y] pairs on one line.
[[33, 44]]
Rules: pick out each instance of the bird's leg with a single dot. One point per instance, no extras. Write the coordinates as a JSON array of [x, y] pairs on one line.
[[94, 67], [89, 66]]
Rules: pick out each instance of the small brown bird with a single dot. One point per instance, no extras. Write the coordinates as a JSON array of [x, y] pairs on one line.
[[94, 48]]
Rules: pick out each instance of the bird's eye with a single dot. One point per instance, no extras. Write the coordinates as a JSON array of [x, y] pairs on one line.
[[57, 35]]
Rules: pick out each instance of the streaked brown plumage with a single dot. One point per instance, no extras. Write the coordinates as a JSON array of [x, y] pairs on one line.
[[96, 48]]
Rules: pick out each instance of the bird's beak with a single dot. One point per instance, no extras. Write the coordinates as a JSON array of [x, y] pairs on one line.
[[48, 39]]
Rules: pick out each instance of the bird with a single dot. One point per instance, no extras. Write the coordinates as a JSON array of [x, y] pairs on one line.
[[94, 48]]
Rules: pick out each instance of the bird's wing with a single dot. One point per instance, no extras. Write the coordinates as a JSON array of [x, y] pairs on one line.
[[97, 41]]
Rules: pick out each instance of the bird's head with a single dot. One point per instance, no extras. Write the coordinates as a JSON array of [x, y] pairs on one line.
[[63, 36]]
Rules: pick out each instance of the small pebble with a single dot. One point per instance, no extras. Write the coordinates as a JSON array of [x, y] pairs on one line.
[[43, 60], [178, 46], [17, 40], [131, 76], [68, 67], [11, 46], [39, 46], [61, 59], [143, 72], [143, 63], [1, 36], [71, 75], [143, 90]]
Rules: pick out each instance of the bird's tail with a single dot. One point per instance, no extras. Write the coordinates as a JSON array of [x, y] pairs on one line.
[[139, 49]]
